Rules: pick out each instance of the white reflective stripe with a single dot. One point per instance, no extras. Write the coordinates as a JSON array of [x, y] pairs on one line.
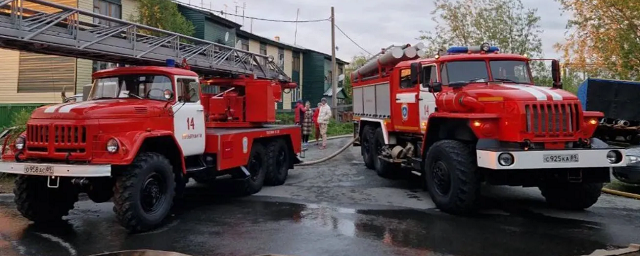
[[406, 97], [538, 94], [553, 94], [67, 108], [52, 108]]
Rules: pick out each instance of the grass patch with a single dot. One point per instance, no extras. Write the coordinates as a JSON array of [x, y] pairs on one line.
[[624, 187]]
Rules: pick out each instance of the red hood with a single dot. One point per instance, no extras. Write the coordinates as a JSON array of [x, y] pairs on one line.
[[518, 92], [105, 108]]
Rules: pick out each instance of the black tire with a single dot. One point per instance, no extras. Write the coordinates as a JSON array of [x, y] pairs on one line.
[[101, 190], [382, 167], [451, 177], [38, 203], [366, 147], [278, 163], [572, 196], [257, 169], [144, 192]]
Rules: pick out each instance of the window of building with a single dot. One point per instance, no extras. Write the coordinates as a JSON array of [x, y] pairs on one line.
[[263, 51], [188, 90], [296, 62], [281, 58], [245, 44], [107, 8]]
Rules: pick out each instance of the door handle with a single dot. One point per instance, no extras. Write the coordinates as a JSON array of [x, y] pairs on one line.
[[421, 99], [200, 110]]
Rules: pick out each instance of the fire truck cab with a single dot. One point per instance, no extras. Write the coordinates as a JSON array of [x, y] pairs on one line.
[[473, 115]]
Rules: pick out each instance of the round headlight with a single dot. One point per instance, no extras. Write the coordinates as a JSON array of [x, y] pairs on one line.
[[505, 159], [20, 141], [633, 159], [112, 146], [614, 156]]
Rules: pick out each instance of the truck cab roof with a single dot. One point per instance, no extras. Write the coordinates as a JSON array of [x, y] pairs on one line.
[[472, 56], [155, 70]]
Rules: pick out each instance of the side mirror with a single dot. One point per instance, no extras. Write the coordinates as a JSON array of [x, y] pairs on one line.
[[416, 69], [435, 87], [555, 74]]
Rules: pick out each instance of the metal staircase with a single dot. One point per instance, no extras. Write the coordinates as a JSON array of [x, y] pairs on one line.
[[60, 32]]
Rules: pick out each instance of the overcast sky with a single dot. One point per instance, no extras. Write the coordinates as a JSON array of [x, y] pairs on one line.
[[373, 24]]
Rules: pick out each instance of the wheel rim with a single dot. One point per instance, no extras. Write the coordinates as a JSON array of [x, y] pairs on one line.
[[441, 178], [153, 193], [255, 163]]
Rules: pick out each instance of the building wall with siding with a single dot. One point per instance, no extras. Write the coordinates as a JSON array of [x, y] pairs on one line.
[[196, 18], [218, 33], [313, 77], [254, 46]]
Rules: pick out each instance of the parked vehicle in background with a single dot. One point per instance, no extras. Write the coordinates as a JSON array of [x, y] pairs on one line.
[[631, 172]]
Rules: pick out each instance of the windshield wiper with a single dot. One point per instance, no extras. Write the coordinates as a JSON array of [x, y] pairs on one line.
[[134, 95], [506, 80]]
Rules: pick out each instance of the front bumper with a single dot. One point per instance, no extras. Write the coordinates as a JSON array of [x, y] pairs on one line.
[[58, 170], [535, 159]]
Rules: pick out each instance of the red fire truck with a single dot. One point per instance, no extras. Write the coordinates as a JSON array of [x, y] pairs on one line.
[[144, 130], [472, 115]]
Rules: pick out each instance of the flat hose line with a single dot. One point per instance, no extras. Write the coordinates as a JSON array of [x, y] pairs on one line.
[[328, 157], [621, 193], [605, 190]]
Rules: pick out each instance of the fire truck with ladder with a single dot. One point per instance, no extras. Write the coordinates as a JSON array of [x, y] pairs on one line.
[[472, 115], [147, 128]]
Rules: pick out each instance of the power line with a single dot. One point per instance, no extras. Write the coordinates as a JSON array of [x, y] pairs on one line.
[[222, 13], [354, 42]]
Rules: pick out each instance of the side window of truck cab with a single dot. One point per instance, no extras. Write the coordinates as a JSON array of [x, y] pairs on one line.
[[405, 79], [188, 90], [430, 75]]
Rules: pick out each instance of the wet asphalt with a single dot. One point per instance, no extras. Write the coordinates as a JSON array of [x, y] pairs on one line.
[[338, 208]]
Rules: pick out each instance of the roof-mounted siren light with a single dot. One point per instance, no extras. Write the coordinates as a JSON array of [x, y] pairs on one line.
[[171, 63], [484, 48]]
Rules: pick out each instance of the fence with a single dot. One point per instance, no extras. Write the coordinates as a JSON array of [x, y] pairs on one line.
[[345, 114]]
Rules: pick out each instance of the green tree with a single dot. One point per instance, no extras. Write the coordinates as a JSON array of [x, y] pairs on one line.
[[504, 23], [356, 62], [603, 37], [163, 14]]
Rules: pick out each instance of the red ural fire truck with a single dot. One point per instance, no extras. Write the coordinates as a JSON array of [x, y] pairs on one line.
[[143, 131], [472, 115]]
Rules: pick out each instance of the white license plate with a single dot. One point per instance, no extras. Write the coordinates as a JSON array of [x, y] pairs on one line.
[[38, 169], [565, 158]]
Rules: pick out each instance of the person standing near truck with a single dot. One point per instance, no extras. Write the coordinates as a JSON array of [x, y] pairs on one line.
[[299, 114], [316, 112], [323, 119]]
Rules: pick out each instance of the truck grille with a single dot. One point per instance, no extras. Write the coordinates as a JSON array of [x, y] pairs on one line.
[[41, 135], [552, 119]]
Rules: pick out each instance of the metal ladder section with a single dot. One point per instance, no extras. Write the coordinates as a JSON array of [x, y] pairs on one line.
[[61, 32]]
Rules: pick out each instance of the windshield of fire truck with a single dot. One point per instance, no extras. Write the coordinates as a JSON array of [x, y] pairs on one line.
[[512, 71], [153, 87]]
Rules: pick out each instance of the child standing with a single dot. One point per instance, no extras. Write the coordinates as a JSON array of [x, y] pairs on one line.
[[307, 123]]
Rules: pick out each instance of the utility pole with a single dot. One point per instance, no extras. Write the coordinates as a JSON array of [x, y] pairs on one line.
[[334, 76]]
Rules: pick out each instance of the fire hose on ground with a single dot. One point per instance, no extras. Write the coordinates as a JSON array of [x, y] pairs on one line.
[[328, 157], [605, 190]]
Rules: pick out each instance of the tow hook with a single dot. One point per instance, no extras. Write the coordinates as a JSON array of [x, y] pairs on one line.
[[53, 182]]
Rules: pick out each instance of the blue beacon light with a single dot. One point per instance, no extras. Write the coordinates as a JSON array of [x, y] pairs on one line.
[[466, 49]]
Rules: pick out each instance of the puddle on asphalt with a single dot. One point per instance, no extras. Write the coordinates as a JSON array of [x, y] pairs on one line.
[[409, 232]]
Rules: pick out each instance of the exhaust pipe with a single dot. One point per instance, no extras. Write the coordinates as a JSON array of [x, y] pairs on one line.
[[623, 123]]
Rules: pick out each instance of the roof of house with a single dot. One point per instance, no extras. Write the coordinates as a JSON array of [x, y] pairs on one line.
[[243, 33]]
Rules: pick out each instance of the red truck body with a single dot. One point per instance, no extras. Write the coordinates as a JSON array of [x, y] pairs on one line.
[[474, 115]]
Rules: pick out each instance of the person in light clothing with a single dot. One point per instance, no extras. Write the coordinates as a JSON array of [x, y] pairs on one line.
[[323, 119]]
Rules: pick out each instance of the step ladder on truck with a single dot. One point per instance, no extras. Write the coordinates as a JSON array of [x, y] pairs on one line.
[[472, 115], [185, 109]]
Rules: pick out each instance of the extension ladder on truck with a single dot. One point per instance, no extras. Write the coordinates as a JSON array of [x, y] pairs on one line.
[[60, 31]]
